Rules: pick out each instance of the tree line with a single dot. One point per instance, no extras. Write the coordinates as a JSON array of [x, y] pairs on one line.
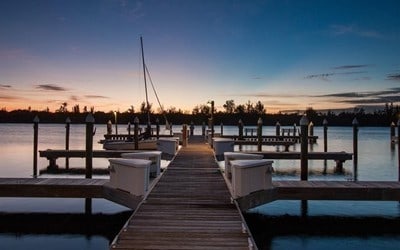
[[248, 113]]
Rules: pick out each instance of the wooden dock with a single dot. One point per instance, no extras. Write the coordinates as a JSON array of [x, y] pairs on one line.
[[190, 205], [323, 190], [189, 208]]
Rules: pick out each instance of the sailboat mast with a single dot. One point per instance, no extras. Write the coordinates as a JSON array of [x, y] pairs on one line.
[[145, 85]]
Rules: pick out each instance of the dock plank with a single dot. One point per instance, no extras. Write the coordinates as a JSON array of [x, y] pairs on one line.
[[189, 208]]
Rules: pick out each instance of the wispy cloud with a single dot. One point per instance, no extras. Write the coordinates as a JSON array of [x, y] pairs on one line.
[[324, 76], [74, 98], [351, 66], [96, 96], [5, 86], [340, 30], [7, 97], [393, 77], [51, 87], [368, 97]]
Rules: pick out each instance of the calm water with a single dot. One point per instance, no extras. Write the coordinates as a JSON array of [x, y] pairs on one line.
[[376, 161]]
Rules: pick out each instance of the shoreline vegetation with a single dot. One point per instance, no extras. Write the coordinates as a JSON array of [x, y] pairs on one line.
[[201, 114]]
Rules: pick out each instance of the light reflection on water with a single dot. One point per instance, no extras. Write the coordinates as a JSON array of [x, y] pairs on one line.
[[376, 161]]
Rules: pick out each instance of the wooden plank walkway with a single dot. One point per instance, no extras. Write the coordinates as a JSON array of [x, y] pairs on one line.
[[189, 208]]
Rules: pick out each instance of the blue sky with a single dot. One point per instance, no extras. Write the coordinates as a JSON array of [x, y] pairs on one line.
[[290, 55]]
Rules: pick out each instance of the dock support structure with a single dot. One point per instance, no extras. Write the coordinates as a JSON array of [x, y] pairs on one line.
[[67, 130], [304, 148], [35, 144], [89, 145]]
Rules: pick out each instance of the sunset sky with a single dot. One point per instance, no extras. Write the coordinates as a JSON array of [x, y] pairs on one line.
[[289, 55]]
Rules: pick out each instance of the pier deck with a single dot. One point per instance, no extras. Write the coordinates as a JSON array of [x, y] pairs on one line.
[[189, 208]]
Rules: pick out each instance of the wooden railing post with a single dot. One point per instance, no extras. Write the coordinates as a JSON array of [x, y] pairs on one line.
[[191, 128], [222, 129], [89, 145], [304, 148], [203, 129], [392, 133], [67, 130], [35, 144]]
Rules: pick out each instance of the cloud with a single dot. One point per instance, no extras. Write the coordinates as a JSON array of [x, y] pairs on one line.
[[5, 86], [393, 77], [7, 97], [51, 87], [340, 30], [324, 76], [351, 66], [74, 98], [96, 96], [370, 97]]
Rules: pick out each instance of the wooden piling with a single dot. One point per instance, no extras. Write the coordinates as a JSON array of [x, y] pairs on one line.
[[184, 135], [191, 128], [67, 132], [212, 120], [325, 123], [355, 141], [89, 145], [35, 144], [277, 129], [116, 122], [157, 128], [304, 148], [393, 133], [240, 126], [136, 132], [222, 129], [398, 147], [203, 129], [129, 129], [259, 134]]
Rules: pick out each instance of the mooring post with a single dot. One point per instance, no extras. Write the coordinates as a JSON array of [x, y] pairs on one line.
[[109, 127], [129, 130], [89, 145], [157, 128], [136, 132], [398, 147], [203, 129], [184, 135], [212, 120], [67, 129], [116, 122], [325, 123], [278, 129], [311, 130], [259, 134], [35, 144], [222, 129], [304, 148], [355, 141], [191, 128], [294, 129], [240, 126], [393, 133]]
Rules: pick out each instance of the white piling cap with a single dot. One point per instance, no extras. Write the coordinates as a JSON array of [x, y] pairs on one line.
[[304, 121], [89, 118], [325, 122], [260, 121], [355, 122], [68, 120], [36, 119], [136, 120]]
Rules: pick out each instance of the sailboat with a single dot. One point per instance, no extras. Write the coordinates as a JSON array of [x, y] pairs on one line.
[[147, 142]]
